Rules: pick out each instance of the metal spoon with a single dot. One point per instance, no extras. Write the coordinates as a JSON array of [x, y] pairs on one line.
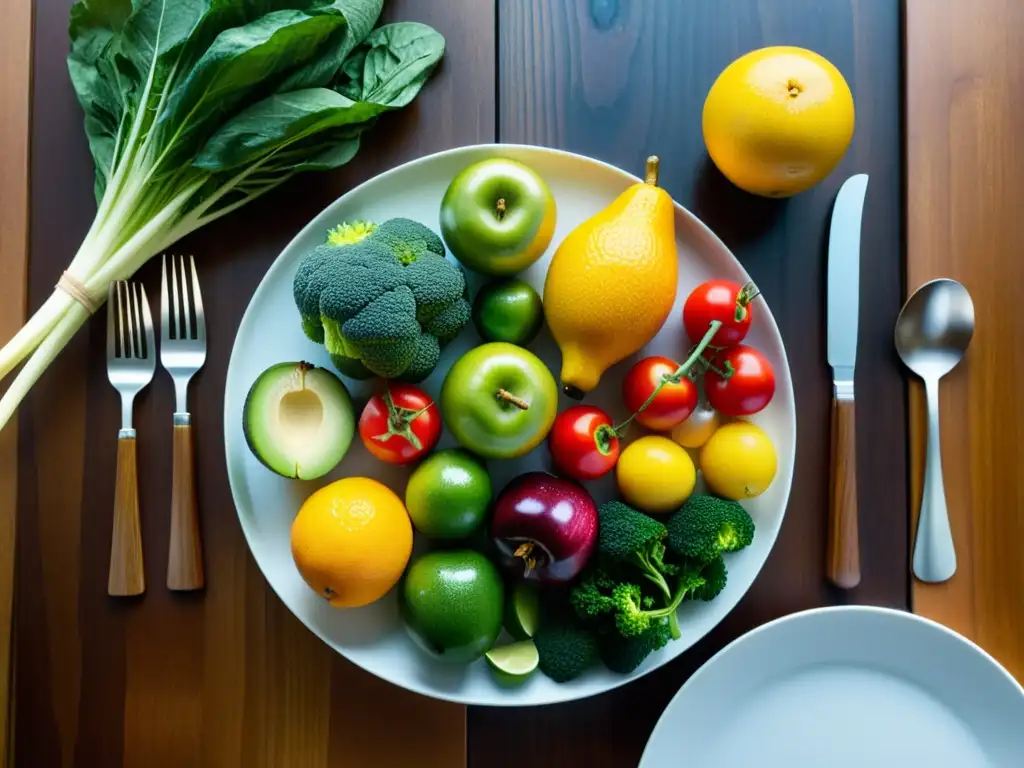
[[932, 334]]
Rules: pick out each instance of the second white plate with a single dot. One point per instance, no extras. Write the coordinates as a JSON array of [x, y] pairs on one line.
[[849, 687]]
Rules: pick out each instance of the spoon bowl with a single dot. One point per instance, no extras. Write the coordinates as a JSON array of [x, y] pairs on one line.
[[935, 327], [933, 332]]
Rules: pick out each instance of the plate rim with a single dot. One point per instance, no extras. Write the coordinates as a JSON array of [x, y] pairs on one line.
[[812, 615], [695, 221]]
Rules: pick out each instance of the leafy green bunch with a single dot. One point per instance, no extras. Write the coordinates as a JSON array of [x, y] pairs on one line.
[[195, 107]]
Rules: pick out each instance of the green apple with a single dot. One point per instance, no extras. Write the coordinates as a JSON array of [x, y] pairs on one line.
[[499, 400], [497, 216]]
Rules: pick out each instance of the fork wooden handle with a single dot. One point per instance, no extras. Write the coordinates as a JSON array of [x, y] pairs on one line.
[[126, 576], [843, 564], [185, 562]]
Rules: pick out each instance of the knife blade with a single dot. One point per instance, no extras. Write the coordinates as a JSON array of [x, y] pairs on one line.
[[843, 317]]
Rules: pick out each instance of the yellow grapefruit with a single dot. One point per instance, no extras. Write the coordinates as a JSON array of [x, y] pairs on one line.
[[778, 120]]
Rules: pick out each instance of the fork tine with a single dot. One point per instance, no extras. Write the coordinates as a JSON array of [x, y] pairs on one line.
[[197, 299], [133, 329], [140, 339], [147, 323], [111, 343], [175, 305], [165, 311], [186, 306], [125, 352]]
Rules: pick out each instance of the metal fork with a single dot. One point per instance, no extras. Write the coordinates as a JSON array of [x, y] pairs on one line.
[[131, 360], [182, 353]]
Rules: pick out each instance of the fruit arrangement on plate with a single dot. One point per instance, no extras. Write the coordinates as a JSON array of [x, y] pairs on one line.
[[488, 441]]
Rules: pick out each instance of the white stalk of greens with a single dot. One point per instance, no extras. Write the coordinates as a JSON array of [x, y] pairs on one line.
[[195, 107]]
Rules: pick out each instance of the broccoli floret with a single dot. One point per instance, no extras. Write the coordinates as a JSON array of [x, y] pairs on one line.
[[378, 310], [626, 536], [706, 526], [715, 576], [425, 357], [409, 240], [591, 597], [624, 654], [633, 618], [447, 325], [435, 285], [383, 334], [566, 650], [348, 233], [308, 283]]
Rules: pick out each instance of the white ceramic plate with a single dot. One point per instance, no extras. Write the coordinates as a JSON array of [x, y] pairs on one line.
[[373, 637], [847, 687]]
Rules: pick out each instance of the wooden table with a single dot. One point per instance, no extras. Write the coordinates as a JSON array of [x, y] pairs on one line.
[[229, 677]]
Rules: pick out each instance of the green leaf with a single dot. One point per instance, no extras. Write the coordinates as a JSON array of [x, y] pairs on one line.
[[359, 16], [396, 61], [241, 62], [93, 27], [279, 121]]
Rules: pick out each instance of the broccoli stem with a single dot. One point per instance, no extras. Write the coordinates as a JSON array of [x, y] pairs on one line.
[[652, 574]]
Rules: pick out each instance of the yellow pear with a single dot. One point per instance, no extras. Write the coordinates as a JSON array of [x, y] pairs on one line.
[[612, 282]]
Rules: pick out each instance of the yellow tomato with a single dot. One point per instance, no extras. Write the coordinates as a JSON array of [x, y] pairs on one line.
[[738, 461], [778, 120], [696, 430], [655, 475]]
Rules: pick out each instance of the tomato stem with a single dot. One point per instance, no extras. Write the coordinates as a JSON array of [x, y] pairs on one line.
[[696, 354], [603, 436], [400, 421], [747, 294]]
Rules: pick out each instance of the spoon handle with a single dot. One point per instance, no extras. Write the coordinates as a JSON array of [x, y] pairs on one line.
[[934, 554], [843, 565]]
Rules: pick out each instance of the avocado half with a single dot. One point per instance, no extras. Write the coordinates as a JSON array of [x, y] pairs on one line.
[[298, 420]]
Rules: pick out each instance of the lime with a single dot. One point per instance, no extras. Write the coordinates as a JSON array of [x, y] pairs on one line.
[[522, 611], [452, 604], [508, 310], [448, 495], [513, 663]]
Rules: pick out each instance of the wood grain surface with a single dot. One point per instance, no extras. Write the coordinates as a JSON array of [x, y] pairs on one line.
[[15, 80], [226, 676], [621, 80], [965, 182]]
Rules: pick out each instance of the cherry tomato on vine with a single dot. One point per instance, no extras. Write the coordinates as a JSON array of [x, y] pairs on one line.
[[721, 300], [748, 386], [583, 443], [400, 424], [673, 403]]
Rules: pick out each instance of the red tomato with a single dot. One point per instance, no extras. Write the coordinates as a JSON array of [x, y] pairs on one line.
[[400, 424], [583, 443], [748, 388], [721, 300], [673, 403]]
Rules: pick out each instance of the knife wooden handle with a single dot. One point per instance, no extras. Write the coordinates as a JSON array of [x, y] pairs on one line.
[[843, 566], [185, 559]]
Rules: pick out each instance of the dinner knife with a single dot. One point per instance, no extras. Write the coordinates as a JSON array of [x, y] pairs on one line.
[[843, 307]]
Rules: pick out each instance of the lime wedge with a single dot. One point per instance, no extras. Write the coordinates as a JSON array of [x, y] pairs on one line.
[[522, 611], [515, 662]]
